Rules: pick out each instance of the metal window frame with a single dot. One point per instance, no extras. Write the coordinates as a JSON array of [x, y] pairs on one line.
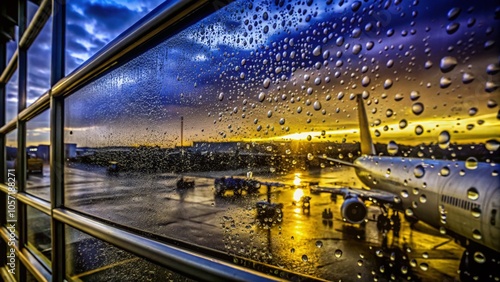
[[197, 266]]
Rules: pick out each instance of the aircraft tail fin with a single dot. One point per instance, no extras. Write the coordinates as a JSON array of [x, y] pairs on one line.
[[367, 147]]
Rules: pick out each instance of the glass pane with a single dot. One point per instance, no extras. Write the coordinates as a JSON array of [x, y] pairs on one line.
[[12, 97], [32, 9], [12, 46], [90, 259], [38, 154], [39, 234], [39, 63], [89, 26], [241, 134]]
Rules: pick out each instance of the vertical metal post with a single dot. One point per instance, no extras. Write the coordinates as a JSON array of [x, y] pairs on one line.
[[22, 65], [57, 138]]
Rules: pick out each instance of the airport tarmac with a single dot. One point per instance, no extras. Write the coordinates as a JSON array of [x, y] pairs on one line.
[[303, 242]]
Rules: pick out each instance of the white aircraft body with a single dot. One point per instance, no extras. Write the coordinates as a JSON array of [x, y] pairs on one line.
[[456, 197]]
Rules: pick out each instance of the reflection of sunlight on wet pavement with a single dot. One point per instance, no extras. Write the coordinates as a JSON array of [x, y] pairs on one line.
[[298, 194], [296, 180]]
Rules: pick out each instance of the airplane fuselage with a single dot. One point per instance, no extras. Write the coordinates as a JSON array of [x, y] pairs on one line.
[[454, 196]]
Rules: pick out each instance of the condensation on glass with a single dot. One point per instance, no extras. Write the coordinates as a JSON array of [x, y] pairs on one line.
[[90, 259], [39, 236], [229, 135], [38, 156]]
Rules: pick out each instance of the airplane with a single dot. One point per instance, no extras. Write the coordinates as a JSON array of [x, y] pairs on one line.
[[459, 199]]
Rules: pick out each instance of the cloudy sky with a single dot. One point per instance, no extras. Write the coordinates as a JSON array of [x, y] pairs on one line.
[[266, 71]]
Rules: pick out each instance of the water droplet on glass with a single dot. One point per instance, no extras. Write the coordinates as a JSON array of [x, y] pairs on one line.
[[445, 171], [310, 156], [356, 32], [428, 65], [365, 81], [452, 28], [447, 64], [338, 253], [269, 113], [317, 105], [292, 250], [453, 13], [305, 258], [317, 51], [419, 129], [472, 194], [282, 121], [467, 77], [369, 45], [266, 83], [379, 253], [419, 171], [472, 111], [388, 113], [444, 139], [262, 96], [444, 82], [339, 41], [392, 148], [319, 244], [404, 269], [417, 108], [479, 257], [355, 6], [492, 68], [476, 212], [424, 266], [488, 44], [360, 262], [471, 163], [404, 194], [476, 234], [356, 48], [492, 145], [299, 110], [387, 83], [491, 103], [423, 199], [403, 123], [398, 97], [414, 95]]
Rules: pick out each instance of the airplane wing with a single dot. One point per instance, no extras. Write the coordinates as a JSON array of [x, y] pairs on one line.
[[378, 197]]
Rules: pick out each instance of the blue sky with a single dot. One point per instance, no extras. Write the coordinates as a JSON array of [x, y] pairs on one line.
[[342, 48]]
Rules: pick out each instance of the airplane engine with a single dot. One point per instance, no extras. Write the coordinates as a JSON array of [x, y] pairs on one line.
[[353, 210]]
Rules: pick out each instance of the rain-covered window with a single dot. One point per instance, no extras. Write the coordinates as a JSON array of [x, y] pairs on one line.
[[333, 139]]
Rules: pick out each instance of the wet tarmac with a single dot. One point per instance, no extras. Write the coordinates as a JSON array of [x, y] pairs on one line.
[[303, 241]]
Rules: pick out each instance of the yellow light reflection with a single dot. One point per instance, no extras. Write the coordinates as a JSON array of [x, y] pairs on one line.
[[297, 180], [298, 194]]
